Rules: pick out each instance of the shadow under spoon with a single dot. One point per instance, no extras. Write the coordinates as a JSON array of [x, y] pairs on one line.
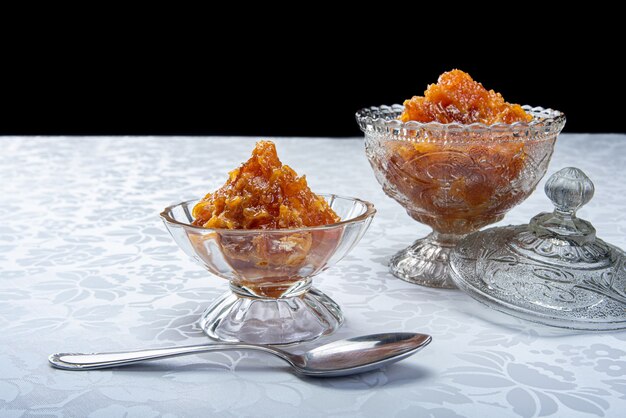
[[338, 358]]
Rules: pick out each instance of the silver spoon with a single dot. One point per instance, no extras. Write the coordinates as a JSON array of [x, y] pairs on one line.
[[339, 358]]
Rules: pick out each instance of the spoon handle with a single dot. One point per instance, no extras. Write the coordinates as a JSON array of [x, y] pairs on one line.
[[90, 361]]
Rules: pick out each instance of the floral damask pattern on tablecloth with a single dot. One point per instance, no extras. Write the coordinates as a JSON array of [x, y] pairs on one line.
[[86, 265]]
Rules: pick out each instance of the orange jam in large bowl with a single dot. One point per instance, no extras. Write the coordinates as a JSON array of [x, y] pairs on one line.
[[457, 158], [458, 98]]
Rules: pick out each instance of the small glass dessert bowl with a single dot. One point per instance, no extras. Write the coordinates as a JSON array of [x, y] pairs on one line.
[[270, 271], [455, 178]]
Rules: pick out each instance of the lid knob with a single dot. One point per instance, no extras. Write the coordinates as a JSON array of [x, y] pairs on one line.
[[569, 189]]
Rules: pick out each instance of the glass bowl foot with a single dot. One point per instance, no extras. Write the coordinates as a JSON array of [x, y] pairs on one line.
[[427, 261], [288, 320]]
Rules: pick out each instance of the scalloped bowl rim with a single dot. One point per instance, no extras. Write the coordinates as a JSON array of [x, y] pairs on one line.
[[369, 212], [552, 117]]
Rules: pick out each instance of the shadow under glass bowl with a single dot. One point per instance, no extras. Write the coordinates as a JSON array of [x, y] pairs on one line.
[[454, 178], [270, 271]]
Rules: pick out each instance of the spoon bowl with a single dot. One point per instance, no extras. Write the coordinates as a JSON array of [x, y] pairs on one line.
[[338, 358]]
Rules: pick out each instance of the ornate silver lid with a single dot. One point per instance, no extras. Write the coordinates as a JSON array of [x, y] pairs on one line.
[[554, 270]]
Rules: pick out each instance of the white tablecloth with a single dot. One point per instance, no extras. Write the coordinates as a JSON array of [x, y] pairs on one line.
[[86, 265]]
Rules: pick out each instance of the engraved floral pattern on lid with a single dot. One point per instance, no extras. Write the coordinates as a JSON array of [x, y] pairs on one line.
[[554, 270]]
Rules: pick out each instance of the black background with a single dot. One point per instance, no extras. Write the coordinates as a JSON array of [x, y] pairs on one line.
[[299, 79]]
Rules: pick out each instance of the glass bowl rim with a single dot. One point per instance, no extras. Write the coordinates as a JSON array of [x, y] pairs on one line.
[[545, 121], [369, 212]]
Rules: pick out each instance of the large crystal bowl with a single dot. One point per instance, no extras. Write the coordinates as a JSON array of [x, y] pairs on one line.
[[271, 300], [454, 178]]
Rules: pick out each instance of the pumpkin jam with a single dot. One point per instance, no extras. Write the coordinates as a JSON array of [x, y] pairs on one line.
[[458, 98], [461, 182], [263, 194]]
